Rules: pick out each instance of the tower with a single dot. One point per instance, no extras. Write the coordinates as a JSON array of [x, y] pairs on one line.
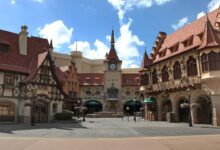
[[112, 79]]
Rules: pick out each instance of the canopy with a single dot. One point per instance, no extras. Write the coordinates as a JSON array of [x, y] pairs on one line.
[[149, 100]]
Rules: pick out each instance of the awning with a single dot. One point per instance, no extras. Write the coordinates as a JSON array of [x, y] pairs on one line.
[[149, 100]]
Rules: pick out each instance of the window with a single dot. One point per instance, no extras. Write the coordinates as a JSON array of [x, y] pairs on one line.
[[154, 77], [144, 79], [165, 74], [210, 61], [191, 66], [9, 79], [177, 70], [44, 70], [7, 109], [88, 92], [205, 62], [188, 42], [97, 92], [174, 48], [54, 110]]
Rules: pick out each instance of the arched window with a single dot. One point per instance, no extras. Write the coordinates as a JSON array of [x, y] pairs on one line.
[[144, 79], [165, 74], [191, 67], [176, 70], [154, 77]]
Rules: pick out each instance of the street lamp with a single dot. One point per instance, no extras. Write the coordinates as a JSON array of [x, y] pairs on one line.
[[134, 109], [34, 91], [190, 118]]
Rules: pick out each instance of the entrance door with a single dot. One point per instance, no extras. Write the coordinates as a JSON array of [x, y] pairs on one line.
[[41, 111], [183, 112], [204, 112]]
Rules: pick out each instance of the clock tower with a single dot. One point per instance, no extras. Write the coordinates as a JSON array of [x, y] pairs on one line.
[[112, 80]]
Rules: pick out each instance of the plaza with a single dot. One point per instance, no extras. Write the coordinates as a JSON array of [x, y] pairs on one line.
[[112, 133]]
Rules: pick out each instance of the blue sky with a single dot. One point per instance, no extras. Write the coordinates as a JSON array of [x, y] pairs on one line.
[[136, 23]]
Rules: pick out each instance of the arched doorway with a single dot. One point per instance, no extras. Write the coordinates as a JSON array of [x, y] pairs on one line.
[[7, 112], [132, 106], [93, 106], [183, 112], [204, 111], [166, 108], [41, 111]]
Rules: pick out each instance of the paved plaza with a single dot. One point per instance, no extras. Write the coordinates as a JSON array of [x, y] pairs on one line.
[[106, 128]]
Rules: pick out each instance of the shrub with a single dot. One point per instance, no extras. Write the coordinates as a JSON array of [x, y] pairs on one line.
[[65, 115]]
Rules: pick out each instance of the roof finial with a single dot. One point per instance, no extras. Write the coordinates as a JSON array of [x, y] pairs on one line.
[[76, 46]]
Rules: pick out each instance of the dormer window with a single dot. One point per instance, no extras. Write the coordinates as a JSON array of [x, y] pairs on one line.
[[174, 48], [188, 42], [200, 35], [162, 53]]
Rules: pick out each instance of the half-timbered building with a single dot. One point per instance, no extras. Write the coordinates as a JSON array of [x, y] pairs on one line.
[[29, 87]]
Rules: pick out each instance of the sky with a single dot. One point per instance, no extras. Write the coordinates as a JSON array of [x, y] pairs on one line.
[[88, 23]]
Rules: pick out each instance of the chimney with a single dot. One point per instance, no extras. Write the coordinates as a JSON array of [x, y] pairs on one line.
[[23, 40]]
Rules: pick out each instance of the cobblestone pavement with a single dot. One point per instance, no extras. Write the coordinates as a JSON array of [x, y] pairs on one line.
[[106, 128]]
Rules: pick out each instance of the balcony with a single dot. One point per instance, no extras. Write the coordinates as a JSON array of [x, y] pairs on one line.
[[179, 84]]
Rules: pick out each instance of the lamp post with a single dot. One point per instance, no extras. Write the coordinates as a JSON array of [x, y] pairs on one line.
[[34, 91], [134, 109], [190, 118]]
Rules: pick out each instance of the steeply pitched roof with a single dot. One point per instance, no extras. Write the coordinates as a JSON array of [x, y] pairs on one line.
[[190, 30], [146, 61], [12, 60], [112, 54], [209, 38]]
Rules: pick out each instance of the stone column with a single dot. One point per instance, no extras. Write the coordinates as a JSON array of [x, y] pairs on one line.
[[198, 65], [216, 109], [194, 115]]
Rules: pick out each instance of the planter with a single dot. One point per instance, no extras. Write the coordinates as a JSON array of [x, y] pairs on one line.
[[184, 105]]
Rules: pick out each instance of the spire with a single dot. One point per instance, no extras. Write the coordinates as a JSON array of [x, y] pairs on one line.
[[113, 40], [146, 60], [51, 44], [210, 37], [112, 54]]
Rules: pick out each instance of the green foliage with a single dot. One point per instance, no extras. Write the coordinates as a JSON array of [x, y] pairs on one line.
[[65, 115]]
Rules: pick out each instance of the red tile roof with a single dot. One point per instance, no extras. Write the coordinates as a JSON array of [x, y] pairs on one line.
[[131, 79], [13, 60], [91, 79], [193, 29], [60, 74], [209, 36]]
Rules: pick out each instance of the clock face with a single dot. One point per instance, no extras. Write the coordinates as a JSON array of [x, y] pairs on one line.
[[112, 66]]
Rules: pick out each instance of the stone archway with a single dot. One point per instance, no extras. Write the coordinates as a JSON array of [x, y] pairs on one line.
[[41, 110], [7, 111], [166, 108], [204, 111]]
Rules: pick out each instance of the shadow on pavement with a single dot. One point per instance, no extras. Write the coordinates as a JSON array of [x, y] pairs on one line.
[[10, 128]]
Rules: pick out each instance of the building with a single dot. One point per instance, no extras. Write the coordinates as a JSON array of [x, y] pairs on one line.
[[29, 87], [104, 85], [183, 68]]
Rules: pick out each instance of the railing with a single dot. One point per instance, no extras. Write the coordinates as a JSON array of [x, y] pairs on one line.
[[173, 84]]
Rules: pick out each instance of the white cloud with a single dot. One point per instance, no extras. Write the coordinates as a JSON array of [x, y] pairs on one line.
[[58, 32], [214, 4], [122, 6], [201, 14], [13, 2], [180, 23], [126, 46]]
